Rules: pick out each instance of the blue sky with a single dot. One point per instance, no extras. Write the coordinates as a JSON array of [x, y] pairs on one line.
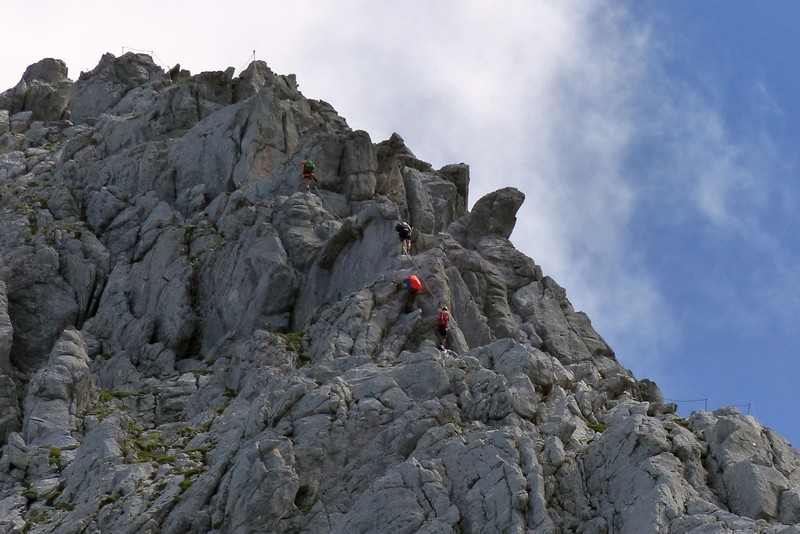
[[727, 266], [656, 143]]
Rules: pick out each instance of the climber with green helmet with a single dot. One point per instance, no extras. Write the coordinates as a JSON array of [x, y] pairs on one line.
[[308, 172]]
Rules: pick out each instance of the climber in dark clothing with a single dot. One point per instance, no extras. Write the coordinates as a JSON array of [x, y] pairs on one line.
[[442, 325], [413, 286], [308, 172], [404, 229]]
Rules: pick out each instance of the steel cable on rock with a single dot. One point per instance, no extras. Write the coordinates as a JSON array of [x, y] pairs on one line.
[[250, 59], [324, 204], [152, 53], [705, 401]]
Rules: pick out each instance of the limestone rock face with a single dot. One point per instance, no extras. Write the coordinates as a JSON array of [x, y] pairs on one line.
[[6, 329], [494, 215], [107, 84], [58, 393], [192, 341], [43, 91]]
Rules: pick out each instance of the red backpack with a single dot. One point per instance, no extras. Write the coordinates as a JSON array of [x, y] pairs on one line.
[[413, 282]]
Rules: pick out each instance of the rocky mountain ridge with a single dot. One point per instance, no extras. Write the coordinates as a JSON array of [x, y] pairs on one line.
[[192, 342]]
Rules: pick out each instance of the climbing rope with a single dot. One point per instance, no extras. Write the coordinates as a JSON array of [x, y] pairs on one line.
[[324, 204]]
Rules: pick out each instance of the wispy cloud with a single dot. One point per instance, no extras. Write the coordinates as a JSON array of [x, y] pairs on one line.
[[540, 96]]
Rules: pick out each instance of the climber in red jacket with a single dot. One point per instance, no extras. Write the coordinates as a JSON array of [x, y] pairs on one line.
[[442, 324], [308, 172]]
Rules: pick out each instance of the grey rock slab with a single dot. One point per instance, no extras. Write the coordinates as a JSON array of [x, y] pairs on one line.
[[489, 486], [420, 207], [263, 485], [12, 513], [159, 290], [12, 164], [739, 449], [566, 334], [58, 393], [466, 314], [41, 302], [244, 285], [413, 497], [21, 121], [754, 490], [43, 91], [62, 204], [789, 506], [493, 215], [5, 126], [6, 329], [489, 291], [103, 208], [97, 91], [98, 455]]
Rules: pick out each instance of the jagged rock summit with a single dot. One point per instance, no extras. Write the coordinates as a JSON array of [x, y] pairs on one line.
[[192, 342]]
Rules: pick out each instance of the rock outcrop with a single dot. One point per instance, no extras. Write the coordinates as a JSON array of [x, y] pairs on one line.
[[192, 342], [41, 95]]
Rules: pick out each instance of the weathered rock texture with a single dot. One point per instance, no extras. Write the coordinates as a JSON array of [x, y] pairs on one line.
[[192, 342]]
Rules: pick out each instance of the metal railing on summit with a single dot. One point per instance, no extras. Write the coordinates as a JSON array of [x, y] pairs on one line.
[[249, 60], [705, 403], [150, 52]]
